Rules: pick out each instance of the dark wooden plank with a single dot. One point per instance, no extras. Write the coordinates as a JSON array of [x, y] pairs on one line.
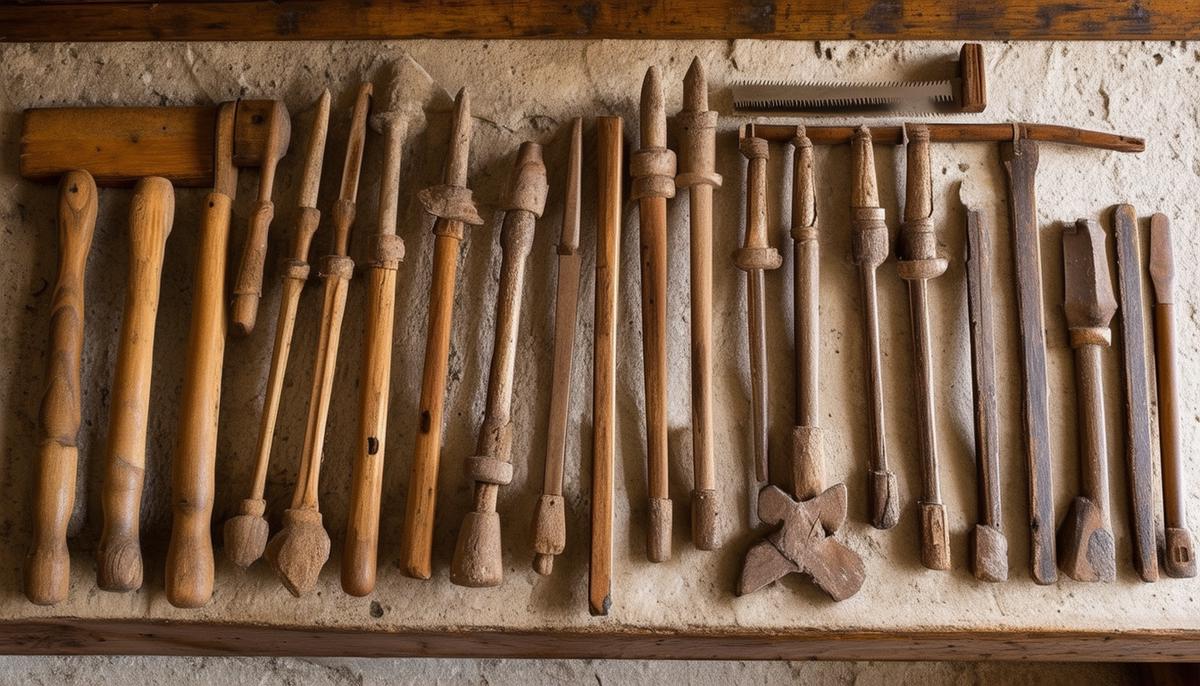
[[390, 19], [71, 636]]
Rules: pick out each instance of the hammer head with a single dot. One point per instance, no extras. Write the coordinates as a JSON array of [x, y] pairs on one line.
[[1086, 551]]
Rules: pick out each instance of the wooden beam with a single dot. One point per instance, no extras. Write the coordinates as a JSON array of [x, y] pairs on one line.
[[39, 21]]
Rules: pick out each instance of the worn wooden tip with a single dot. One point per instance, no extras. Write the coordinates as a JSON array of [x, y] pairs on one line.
[[246, 533], [653, 114], [695, 88], [477, 562], [935, 537], [658, 531], [48, 573], [243, 313], [705, 512], [549, 532], [1179, 555], [1086, 551], [1088, 293], [527, 186], [1162, 259], [299, 551], [119, 563], [884, 496], [864, 187], [455, 173], [989, 553]]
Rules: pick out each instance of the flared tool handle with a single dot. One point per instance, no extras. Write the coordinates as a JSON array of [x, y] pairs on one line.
[[48, 566], [189, 574], [119, 560]]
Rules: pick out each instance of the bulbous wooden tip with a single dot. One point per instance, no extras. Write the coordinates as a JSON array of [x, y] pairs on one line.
[[299, 551], [704, 519], [48, 574], [1088, 292], [935, 537], [658, 531], [653, 115], [1086, 551], [549, 532], [246, 533], [119, 564], [477, 562], [460, 142], [989, 553], [695, 88], [864, 191], [884, 496], [1179, 554]]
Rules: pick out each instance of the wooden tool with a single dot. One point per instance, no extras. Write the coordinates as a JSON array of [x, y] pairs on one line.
[[1086, 545], [870, 249], [698, 175], [989, 546], [1179, 555], [1020, 160], [803, 541], [386, 252], [550, 519], [755, 257], [477, 561], [653, 170], [247, 290], [604, 360], [1139, 461], [300, 548], [48, 563], [190, 564], [958, 133], [451, 203], [919, 262], [246, 533], [119, 557]]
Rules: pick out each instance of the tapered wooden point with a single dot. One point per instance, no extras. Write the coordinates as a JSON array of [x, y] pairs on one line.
[[884, 496], [658, 537], [455, 173], [695, 88], [1089, 299], [989, 553], [653, 118], [246, 533], [1086, 551], [119, 565], [1179, 554], [864, 191], [477, 561], [299, 551]]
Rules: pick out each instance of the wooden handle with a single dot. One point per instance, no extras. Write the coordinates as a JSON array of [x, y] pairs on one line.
[[189, 576], [972, 84], [119, 558], [653, 234], [247, 291], [48, 564], [956, 133]]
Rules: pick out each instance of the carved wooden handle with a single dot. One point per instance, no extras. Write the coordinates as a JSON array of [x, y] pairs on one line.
[[119, 559], [248, 290], [189, 575], [48, 566]]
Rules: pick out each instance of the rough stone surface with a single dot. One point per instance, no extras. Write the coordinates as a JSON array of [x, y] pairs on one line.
[[530, 90]]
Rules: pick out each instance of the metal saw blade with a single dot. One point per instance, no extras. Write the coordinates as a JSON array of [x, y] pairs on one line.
[[775, 96]]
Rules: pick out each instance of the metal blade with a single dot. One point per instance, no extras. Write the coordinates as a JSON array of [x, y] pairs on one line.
[[774, 96]]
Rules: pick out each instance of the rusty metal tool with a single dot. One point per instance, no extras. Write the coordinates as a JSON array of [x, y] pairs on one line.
[[1179, 555], [870, 246], [1086, 550]]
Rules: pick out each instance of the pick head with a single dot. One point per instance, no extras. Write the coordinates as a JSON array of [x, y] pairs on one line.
[[1088, 299], [695, 88], [1162, 259], [455, 173], [653, 111]]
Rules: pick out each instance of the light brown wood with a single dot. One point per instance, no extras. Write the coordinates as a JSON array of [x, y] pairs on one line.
[[119, 557], [957, 133], [549, 518], [360, 547], [301, 547], [190, 564], [477, 560], [653, 170], [246, 533], [698, 175], [604, 360], [48, 563], [451, 203]]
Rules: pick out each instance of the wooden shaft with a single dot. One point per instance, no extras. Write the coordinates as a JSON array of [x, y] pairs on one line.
[[1174, 483], [119, 561], [875, 419], [957, 133], [189, 573], [604, 387], [806, 294], [556, 439], [48, 563], [700, 207], [653, 232], [918, 296], [756, 317], [983, 365], [417, 532], [1020, 162], [1093, 444]]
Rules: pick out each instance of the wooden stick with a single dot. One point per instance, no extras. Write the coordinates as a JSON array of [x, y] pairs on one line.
[[361, 545], [807, 470], [477, 561], [1179, 555], [119, 558], [451, 203], [653, 170], [1138, 459], [48, 563], [1020, 160], [604, 361], [989, 547], [957, 133], [550, 519], [246, 533], [299, 551], [247, 291], [919, 262], [1087, 551], [870, 248], [190, 564], [698, 175]]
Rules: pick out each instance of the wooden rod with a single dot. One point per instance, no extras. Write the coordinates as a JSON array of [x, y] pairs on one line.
[[955, 133]]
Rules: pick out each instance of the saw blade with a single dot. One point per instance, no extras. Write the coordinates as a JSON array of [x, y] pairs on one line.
[[776, 96]]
